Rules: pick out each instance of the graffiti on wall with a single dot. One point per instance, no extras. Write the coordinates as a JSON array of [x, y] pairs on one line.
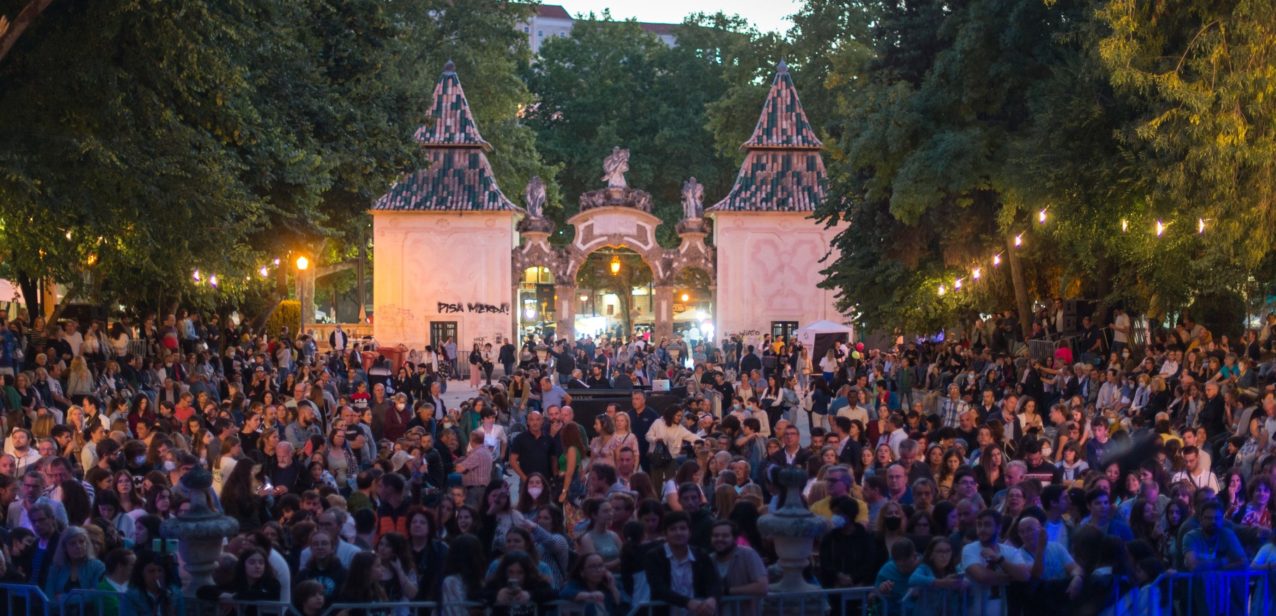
[[473, 307]]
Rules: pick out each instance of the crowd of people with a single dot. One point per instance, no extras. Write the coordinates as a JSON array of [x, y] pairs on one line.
[[960, 472]]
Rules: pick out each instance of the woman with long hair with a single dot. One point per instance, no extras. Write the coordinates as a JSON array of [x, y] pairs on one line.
[[74, 566], [622, 438], [1257, 511], [688, 472], [947, 471], [593, 587], [363, 583], [130, 499], [463, 575], [598, 537], [990, 473], [476, 366], [428, 553], [398, 575], [254, 579], [641, 485], [517, 586], [600, 447], [534, 493], [241, 497], [465, 520], [1232, 494], [936, 581], [571, 464]]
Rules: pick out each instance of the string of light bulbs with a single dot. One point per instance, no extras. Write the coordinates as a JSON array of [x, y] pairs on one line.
[[1043, 216]]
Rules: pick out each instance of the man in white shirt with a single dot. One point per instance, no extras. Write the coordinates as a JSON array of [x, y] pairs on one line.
[[1120, 330], [1196, 474], [1170, 367], [989, 566]]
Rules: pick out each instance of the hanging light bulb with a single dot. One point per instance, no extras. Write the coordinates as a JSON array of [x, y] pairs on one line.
[[1125, 224], [685, 298], [196, 275], [1019, 240], [975, 274], [1041, 216], [276, 261], [1160, 228], [212, 280], [942, 290], [957, 285], [1200, 225], [996, 260], [615, 265], [263, 271]]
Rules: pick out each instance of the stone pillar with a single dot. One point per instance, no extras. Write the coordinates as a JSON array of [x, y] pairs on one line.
[[663, 312], [565, 311], [200, 532]]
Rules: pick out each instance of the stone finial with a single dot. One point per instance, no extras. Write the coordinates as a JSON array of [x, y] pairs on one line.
[[782, 68], [534, 197], [449, 67], [692, 200]]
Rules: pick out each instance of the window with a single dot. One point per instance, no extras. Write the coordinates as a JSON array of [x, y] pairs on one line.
[[540, 34], [783, 329], [441, 331]]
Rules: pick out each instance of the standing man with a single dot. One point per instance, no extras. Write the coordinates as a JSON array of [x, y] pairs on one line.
[[507, 356], [1120, 330], [338, 340], [640, 419], [533, 449]]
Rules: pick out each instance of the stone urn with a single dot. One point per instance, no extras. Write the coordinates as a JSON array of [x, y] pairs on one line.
[[200, 532], [793, 529]]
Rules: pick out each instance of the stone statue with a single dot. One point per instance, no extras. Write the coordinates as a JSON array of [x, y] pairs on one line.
[[692, 200], [534, 197], [614, 168]]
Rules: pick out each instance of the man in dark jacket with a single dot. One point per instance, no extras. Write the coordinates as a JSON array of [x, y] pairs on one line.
[[507, 356], [750, 362], [680, 574]]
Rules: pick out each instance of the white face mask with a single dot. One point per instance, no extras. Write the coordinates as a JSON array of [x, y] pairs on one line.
[[534, 492]]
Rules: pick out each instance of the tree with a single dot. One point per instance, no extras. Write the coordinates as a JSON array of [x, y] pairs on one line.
[[1205, 136], [596, 275], [612, 84], [965, 122]]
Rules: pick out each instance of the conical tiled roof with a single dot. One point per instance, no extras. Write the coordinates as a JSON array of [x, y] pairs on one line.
[[458, 177], [453, 124], [783, 123], [783, 170]]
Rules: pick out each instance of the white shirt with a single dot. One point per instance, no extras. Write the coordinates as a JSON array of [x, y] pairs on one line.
[[1120, 326], [981, 602], [681, 576], [1198, 481]]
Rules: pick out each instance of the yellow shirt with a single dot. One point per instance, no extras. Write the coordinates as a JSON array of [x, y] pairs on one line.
[[823, 509]]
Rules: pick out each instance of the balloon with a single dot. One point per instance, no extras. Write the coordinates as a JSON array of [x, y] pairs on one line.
[[859, 346], [855, 355]]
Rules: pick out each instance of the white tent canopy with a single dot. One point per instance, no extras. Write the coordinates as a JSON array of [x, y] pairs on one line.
[[808, 333], [821, 336]]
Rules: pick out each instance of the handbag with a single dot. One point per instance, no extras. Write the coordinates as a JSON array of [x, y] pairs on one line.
[[660, 455]]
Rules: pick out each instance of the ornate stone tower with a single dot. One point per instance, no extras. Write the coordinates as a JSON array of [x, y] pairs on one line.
[[443, 237], [769, 250]]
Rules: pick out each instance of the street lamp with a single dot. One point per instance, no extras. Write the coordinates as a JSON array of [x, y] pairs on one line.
[[615, 265], [685, 297], [303, 263]]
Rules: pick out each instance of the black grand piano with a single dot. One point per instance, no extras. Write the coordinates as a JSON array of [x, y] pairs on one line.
[[589, 403]]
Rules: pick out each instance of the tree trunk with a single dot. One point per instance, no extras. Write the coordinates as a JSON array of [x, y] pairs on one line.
[[1021, 288], [20, 23], [360, 273], [31, 294]]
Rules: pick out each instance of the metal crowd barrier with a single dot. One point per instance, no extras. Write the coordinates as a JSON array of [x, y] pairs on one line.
[[1240, 592], [82, 602], [837, 602], [24, 600]]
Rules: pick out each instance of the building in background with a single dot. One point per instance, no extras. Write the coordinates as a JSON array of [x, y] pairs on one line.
[[552, 20]]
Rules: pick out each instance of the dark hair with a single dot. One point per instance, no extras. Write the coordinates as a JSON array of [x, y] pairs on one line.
[[241, 568], [466, 559], [361, 586], [604, 471], [674, 517]]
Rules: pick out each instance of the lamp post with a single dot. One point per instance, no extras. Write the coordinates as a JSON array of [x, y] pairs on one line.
[[303, 264]]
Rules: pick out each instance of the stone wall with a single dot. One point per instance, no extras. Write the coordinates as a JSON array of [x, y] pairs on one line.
[[442, 266], [769, 267]]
